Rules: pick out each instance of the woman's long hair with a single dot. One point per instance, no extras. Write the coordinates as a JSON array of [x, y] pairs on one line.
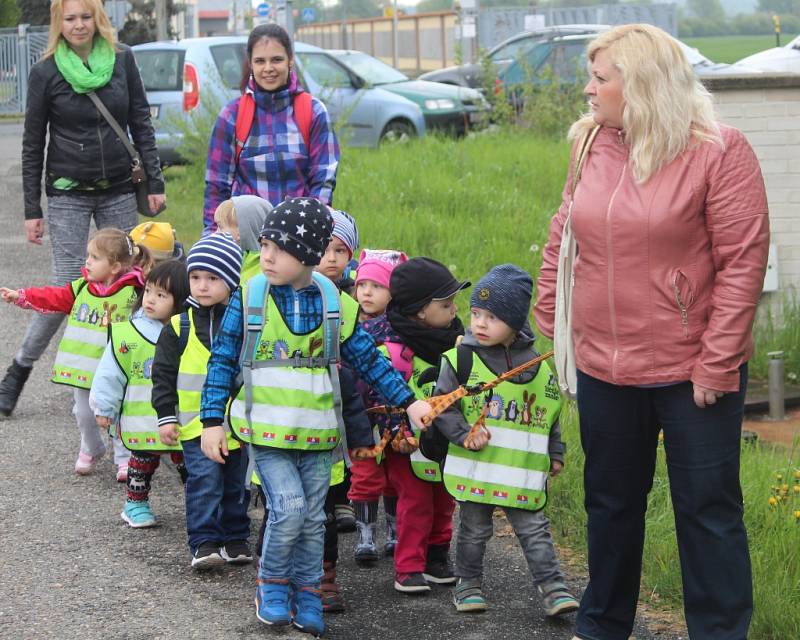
[[665, 107], [103, 26]]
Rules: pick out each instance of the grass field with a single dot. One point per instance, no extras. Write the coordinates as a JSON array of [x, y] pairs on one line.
[[481, 201], [734, 48]]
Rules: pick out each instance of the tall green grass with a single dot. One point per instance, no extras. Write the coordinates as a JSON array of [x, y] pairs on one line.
[[733, 48], [488, 199]]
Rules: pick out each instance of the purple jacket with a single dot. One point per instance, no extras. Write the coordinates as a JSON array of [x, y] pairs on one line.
[[275, 162]]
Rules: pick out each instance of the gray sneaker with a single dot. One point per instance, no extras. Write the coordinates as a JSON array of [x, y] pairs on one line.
[[467, 596], [557, 600]]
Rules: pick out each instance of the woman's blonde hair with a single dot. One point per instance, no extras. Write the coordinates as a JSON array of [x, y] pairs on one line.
[[666, 107], [117, 246], [102, 24]]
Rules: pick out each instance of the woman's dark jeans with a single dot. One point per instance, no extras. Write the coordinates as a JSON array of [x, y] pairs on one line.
[[619, 434]]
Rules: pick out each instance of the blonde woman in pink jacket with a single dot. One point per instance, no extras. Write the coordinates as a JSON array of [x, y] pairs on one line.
[[671, 222]]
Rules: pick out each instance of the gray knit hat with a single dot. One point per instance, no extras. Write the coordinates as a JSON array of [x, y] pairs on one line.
[[505, 291]]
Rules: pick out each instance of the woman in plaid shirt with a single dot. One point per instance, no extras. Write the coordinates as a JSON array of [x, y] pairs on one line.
[[277, 160]]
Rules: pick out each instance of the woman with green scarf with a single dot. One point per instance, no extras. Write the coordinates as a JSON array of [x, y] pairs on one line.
[[87, 170]]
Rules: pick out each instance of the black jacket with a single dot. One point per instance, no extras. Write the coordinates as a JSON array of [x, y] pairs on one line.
[[82, 145]]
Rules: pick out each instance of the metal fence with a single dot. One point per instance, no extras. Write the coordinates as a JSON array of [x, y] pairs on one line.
[[20, 48], [429, 41]]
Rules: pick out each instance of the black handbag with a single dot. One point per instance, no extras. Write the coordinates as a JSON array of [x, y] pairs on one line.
[[138, 175]]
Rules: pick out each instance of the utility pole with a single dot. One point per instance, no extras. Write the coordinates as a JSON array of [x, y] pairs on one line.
[[161, 20]]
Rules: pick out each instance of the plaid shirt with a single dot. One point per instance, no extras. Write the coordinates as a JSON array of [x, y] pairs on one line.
[[275, 162], [302, 312]]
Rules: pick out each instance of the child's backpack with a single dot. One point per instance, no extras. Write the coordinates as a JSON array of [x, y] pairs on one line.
[[432, 443], [303, 113]]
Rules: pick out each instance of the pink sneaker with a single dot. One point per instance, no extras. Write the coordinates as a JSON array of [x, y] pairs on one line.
[[122, 472], [84, 465]]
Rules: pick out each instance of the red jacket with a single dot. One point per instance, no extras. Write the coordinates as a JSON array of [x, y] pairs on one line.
[[669, 272], [61, 299]]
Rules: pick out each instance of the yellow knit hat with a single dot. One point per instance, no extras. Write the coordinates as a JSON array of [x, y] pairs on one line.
[[159, 237]]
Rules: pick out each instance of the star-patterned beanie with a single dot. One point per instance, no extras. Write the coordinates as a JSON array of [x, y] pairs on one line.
[[300, 226]]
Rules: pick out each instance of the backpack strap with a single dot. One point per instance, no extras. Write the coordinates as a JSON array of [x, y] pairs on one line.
[[244, 122], [246, 112], [584, 145], [463, 364], [183, 335], [303, 114]]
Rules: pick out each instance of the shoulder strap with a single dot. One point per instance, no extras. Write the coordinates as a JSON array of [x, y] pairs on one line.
[[123, 137], [244, 121], [183, 336], [583, 150], [463, 363], [331, 316], [246, 112], [303, 112]]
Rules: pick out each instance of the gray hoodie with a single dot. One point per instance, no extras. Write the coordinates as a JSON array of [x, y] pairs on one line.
[[251, 211], [499, 359]]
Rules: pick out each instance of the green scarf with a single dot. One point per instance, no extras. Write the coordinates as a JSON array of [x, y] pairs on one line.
[[83, 78]]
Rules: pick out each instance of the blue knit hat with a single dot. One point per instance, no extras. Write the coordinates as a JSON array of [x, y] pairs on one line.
[[219, 254], [505, 292], [344, 228]]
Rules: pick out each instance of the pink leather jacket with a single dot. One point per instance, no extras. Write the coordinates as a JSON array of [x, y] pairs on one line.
[[669, 272]]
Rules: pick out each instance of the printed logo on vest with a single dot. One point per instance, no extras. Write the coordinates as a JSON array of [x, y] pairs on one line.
[[244, 431], [430, 472], [133, 440], [290, 437], [312, 440], [82, 378], [522, 499], [268, 436], [502, 495], [461, 488], [332, 439], [475, 491], [551, 389]]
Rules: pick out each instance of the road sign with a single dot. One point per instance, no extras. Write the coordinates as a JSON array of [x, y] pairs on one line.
[[262, 10], [308, 14]]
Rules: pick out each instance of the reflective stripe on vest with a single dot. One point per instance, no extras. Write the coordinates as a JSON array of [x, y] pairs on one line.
[[292, 391], [86, 335], [138, 422], [512, 470], [191, 376]]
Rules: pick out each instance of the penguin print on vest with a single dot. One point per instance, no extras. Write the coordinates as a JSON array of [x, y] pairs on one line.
[[512, 411], [83, 313]]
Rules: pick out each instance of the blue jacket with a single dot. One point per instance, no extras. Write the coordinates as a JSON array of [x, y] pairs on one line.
[[108, 386]]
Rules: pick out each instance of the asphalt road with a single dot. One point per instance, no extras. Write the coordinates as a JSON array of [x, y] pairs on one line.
[[72, 569]]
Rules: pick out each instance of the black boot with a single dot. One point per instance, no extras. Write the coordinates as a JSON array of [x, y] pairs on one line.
[[11, 386]]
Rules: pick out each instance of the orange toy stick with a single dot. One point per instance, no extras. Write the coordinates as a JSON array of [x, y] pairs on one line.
[[440, 404], [480, 425]]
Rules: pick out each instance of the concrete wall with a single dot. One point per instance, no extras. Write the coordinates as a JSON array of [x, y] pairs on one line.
[[767, 109]]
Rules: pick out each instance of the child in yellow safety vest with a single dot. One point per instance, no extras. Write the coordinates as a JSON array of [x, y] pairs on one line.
[[110, 280], [122, 385], [288, 408], [506, 462], [217, 523]]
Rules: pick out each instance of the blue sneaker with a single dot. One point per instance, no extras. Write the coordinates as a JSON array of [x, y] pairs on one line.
[[138, 514], [307, 605], [272, 603]]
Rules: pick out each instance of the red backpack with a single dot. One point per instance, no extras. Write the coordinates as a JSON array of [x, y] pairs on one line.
[[247, 111]]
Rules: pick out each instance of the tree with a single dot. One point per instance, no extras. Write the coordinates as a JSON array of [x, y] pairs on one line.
[[711, 9], [355, 9], [35, 12], [9, 13], [783, 7], [140, 25]]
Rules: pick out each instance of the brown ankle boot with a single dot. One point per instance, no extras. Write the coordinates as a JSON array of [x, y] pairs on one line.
[[332, 598]]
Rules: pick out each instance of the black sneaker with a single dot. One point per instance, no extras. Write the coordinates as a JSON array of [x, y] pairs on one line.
[[236, 552], [207, 556], [411, 583], [439, 573]]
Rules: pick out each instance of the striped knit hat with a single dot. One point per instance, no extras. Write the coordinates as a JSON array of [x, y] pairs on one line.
[[219, 254], [344, 228]]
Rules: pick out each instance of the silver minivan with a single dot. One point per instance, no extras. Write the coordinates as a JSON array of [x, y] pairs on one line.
[[180, 76]]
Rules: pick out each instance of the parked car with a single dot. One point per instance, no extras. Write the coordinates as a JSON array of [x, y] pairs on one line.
[[447, 108], [181, 76], [780, 59], [563, 49]]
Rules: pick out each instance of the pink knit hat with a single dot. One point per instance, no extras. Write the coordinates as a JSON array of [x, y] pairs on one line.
[[377, 265]]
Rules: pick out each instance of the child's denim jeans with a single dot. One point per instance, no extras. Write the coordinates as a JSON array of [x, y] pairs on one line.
[[216, 499], [533, 532], [296, 483]]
